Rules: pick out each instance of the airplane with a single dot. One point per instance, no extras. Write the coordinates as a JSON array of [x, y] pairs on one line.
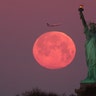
[[52, 25]]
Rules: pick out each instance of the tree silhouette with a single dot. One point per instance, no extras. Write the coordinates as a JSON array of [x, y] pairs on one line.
[[38, 92], [72, 95]]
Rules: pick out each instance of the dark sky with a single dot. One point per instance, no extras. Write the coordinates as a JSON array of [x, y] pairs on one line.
[[21, 22]]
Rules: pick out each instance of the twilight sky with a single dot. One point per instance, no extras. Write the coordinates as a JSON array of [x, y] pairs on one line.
[[21, 22]]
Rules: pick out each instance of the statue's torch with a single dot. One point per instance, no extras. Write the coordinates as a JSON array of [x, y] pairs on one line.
[[81, 8]]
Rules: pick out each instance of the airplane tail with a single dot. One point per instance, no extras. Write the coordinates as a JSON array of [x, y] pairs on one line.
[[47, 24]]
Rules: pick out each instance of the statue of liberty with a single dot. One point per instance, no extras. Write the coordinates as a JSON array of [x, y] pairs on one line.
[[90, 48]]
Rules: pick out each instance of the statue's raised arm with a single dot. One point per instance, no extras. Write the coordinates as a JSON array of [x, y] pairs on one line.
[[82, 16]]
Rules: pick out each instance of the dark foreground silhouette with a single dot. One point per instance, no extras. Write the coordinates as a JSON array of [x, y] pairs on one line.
[[38, 92]]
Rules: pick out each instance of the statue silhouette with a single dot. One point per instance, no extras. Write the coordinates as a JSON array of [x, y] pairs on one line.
[[90, 48]]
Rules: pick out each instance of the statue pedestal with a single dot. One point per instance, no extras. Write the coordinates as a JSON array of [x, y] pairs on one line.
[[86, 89]]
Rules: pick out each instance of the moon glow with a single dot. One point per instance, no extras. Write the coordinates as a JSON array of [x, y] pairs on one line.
[[54, 50]]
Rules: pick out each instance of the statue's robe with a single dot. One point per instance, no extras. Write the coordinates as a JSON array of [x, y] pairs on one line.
[[90, 52]]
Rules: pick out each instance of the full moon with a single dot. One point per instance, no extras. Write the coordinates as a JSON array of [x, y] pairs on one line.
[[54, 50]]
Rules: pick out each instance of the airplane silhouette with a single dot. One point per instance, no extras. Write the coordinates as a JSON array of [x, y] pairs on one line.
[[52, 25]]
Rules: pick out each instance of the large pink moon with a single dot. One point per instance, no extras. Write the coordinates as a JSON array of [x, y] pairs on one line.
[[54, 50]]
